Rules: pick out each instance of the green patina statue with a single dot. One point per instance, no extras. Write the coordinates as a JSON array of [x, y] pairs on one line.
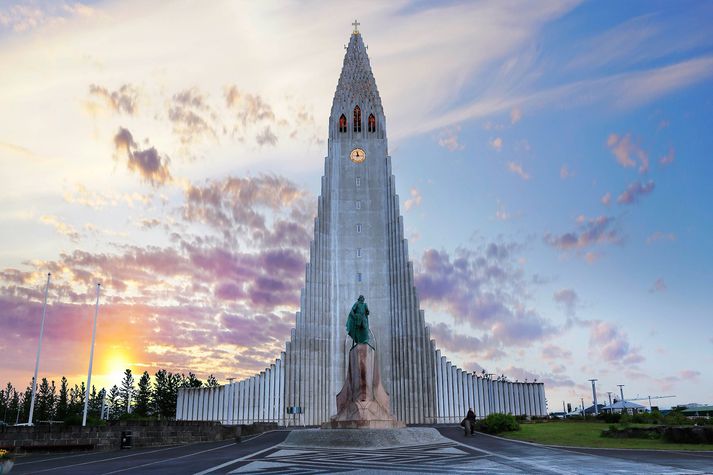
[[358, 323]]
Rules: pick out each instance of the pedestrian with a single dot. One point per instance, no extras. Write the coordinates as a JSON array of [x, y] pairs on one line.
[[469, 422]]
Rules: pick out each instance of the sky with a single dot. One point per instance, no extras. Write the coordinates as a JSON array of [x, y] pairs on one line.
[[551, 159]]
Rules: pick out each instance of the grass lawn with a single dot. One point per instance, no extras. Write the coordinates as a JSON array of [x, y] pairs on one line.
[[587, 434]]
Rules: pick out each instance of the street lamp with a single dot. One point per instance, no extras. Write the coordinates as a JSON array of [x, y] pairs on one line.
[[594, 396]]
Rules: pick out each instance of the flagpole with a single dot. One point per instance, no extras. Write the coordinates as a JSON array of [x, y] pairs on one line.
[[91, 360], [39, 349]]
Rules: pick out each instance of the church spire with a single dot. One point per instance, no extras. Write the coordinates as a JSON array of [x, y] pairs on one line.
[[356, 86]]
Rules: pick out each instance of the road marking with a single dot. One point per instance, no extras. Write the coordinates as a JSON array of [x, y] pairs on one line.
[[170, 459], [105, 460], [544, 468], [231, 462]]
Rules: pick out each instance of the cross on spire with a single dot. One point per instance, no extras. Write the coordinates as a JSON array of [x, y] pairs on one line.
[[356, 27]]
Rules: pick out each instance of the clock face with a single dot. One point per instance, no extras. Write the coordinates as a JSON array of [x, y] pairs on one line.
[[357, 155]]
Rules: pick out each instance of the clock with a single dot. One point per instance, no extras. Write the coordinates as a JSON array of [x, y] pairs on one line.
[[357, 155]]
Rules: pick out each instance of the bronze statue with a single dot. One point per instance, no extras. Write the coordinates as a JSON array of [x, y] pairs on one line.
[[358, 323]]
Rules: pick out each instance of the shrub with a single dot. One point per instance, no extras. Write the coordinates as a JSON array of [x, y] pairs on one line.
[[497, 423]]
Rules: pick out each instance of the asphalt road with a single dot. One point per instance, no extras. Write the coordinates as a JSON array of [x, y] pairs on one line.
[[458, 454]]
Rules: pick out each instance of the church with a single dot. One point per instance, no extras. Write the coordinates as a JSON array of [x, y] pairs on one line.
[[359, 249]]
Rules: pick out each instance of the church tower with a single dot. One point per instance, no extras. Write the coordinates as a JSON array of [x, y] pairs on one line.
[[359, 249]]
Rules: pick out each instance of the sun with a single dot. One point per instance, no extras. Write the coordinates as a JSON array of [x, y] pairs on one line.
[[112, 367]]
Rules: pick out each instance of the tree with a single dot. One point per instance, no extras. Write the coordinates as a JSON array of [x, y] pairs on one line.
[[212, 382], [4, 401], [95, 402], [126, 391], [191, 381], [76, 399], [143, 395], [166, 392], [113, 402], [63, 400], [46, 394], [24, 413]]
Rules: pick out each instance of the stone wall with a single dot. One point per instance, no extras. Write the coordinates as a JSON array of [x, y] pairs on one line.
[[51, 438]]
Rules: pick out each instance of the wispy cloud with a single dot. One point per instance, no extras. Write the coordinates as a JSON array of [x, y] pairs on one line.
[[660, 236], [590, 231], [658, 286], [151, 166], [627, 151], [517, 169], [448, 139], [414, 200], [635, 191]]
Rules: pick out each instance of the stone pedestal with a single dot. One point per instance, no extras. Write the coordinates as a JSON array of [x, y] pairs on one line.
[[363, 402]]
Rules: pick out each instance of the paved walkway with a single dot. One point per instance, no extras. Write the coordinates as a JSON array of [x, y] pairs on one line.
[[478, 454]]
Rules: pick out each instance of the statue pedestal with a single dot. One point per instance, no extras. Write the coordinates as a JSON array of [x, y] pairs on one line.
[[363, 402]]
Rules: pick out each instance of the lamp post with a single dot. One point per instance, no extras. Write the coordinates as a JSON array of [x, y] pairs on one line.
[[594, 396], [39, 349], [91, 360]]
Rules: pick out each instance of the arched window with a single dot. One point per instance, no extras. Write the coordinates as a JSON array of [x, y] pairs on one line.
[[357, 119], [372, 123], [342, 123]]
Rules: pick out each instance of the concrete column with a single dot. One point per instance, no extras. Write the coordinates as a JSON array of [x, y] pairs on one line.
[[444, 389], [281, 388], [459, 393]]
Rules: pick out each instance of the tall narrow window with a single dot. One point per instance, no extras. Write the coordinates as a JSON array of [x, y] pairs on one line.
[[358, 252], [357, 205], [357, 119], [358, 181], [342, 124], [358, 228], [372, 123], [358, 276]]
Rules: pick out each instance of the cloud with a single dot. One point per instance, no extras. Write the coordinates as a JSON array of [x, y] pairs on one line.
[[660, 236], [25, 17], [496, 144], [689, 374], [448, 139], [449, 340], [609, 344], [222, 295], [483, 288], [502, 214], [634, 191], [123, 99], [550, 380], [551, 352], [517, 169], [61, 227], [659, 286], [191, 116], [151, 166], [569, 299], [414, 200], [266, 137], [606, 199], [248, 206], [249, 109], [515, 115], [669, 157], [590, 232], [565, 172], [626, 151]]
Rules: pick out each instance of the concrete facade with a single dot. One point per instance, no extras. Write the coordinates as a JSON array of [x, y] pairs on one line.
[[358, 249]]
